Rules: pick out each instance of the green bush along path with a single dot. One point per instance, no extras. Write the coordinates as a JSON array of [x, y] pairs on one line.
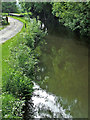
[[19, 65]]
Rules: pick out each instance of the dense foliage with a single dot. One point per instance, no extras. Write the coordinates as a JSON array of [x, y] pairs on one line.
[[23, 59], [22, 67], [11, 107], [9, 7], [75, 15], [41, 9]]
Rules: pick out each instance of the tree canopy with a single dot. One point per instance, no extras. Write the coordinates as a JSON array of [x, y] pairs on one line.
[[43, 10], [74, 15], [8, 7]]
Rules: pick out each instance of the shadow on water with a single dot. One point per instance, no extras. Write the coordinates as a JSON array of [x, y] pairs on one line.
[[63, 92]]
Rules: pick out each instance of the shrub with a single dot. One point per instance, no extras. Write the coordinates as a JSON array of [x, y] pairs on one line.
[[11, 107], [22, 67], [22, 63], [35, 34], [21, 71]]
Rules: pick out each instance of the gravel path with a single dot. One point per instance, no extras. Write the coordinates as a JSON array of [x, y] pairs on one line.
[[11, 30]]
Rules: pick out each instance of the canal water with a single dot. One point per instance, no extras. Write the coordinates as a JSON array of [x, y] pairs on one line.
[[63, 90]]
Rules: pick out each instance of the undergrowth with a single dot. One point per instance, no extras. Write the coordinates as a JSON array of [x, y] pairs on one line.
[[20, 64]]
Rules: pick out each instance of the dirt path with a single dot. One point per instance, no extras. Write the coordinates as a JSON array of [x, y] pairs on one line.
[[11, 30]]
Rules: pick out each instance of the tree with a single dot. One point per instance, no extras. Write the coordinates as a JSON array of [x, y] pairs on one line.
[[8, 7], [43, 10], [75, 15]]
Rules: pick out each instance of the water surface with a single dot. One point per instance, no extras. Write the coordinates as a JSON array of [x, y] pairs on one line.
[[64, 76]]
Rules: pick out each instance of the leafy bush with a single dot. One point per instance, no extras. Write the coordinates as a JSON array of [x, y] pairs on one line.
[[35, 34], [23, 62], [22, 67], [21, 71], [18, 84], [11, 107]]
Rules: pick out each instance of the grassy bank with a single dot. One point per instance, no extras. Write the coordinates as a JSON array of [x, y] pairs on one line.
[[11, 43], [19, 66], [8, 99]]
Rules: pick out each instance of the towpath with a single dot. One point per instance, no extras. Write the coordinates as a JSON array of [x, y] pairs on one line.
[[11, 30]]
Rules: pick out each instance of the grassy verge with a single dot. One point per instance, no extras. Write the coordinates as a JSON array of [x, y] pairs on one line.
[[19, 65], [6, 47], [1, 28], [9, 101], [4, 14]]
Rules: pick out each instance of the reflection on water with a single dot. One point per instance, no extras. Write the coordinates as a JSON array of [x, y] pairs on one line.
[[48, 105], [64, 70], [63, 92]]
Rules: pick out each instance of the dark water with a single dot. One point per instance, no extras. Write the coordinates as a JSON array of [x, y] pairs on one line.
[[63, 92]]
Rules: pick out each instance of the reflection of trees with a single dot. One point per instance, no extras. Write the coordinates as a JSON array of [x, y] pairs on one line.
[[70, 77], [68, 72]]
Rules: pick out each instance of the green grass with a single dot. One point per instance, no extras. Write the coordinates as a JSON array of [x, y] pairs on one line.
[[19, 71], [4, 14], [11, 43], [1, 28], [4, 56]]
